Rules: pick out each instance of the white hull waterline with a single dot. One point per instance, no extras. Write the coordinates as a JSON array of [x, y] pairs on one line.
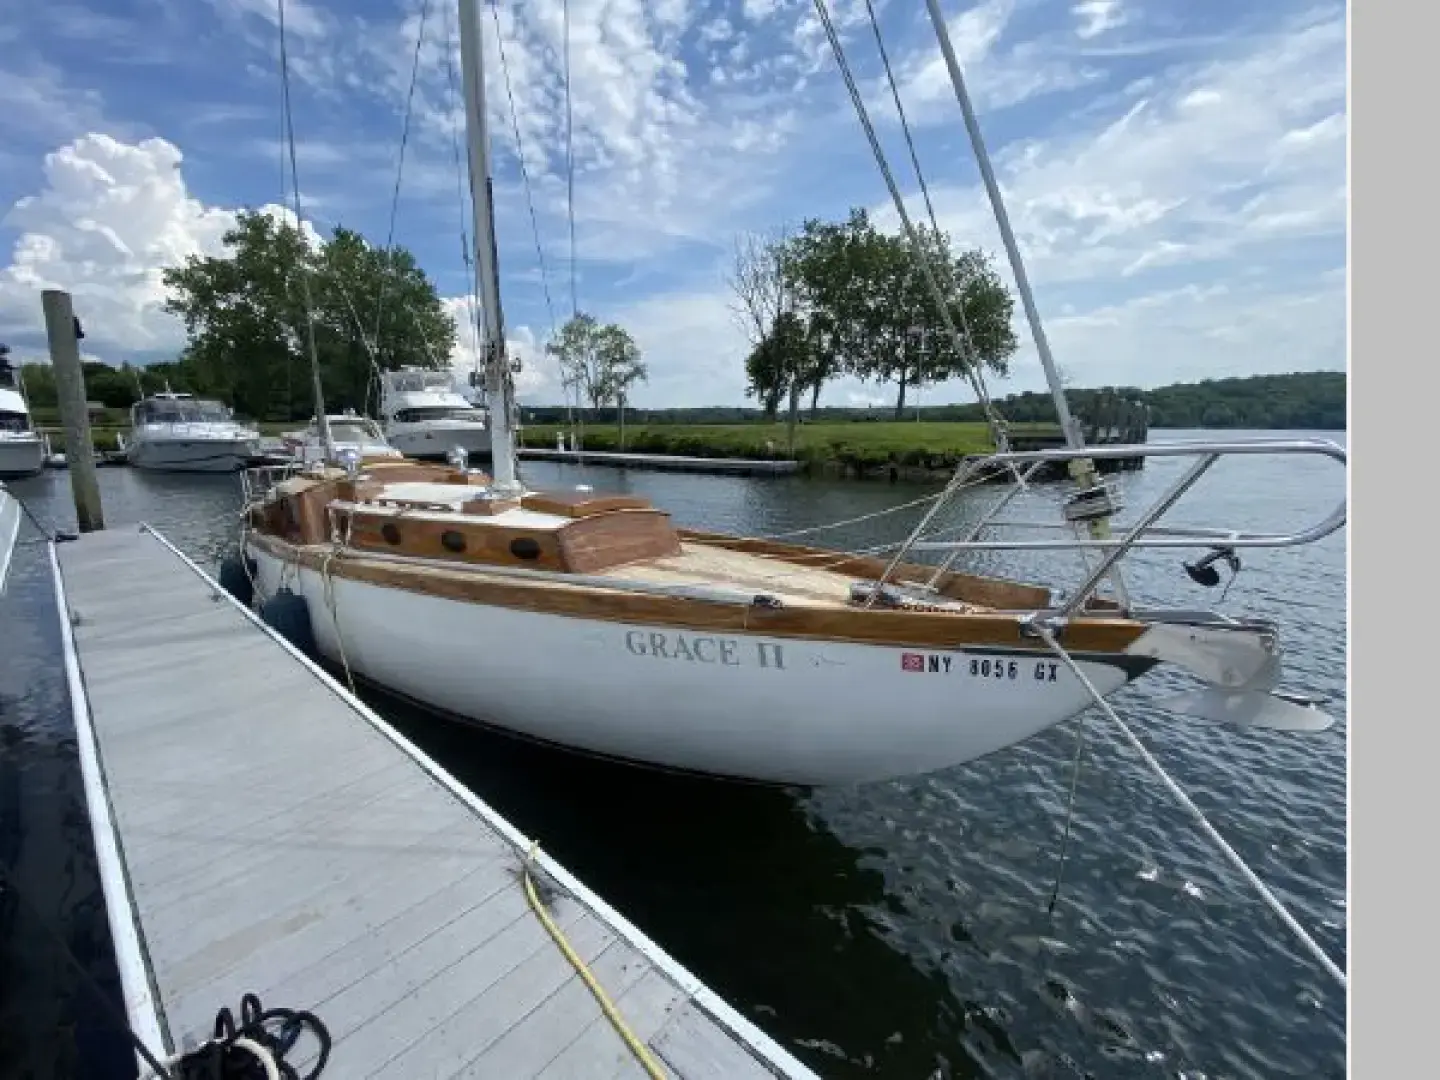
[[775, 709], [9, 530], [21, 456], [22, 448], [177, 432], [198, 452], [436, 439]]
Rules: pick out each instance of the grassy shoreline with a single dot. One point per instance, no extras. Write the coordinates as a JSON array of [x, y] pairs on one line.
[[896, 449], [837, 448]]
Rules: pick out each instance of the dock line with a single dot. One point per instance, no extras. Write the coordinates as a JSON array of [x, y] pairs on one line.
[[611, 1012]]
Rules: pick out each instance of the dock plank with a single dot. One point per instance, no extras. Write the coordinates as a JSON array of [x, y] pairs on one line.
[[275, 838], [599, 1053]]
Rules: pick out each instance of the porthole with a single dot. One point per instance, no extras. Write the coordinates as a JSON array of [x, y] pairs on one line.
[[525, 547], [454, 541], [390, 533]]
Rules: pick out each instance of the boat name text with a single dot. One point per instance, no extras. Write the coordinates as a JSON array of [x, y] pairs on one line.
[[699, 649]]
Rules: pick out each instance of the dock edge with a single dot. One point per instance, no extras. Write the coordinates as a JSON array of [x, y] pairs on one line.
[[142, 1008], [141, 1002]]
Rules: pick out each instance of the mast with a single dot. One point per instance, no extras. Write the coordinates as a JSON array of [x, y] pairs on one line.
[[487, 270], [1082, 470], [1073, 436]]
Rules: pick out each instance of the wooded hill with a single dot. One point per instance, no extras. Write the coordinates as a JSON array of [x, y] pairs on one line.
[[1311, 400]]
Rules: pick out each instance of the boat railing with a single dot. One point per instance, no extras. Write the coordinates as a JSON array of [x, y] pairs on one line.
[[1103, 500], [257, 481]]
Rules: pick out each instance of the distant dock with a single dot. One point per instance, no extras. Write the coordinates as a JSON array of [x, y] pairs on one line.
[[260, 830], [666, 462]]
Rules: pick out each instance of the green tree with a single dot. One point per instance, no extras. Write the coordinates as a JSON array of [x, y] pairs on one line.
[[247, 322], [870, 308], [779, 368], [620, 367], [39, 383], [574, 349], [599, 360]]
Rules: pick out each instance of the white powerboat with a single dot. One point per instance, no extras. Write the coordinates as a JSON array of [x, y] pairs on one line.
[[22, 449], [424, 416], [178, 432]]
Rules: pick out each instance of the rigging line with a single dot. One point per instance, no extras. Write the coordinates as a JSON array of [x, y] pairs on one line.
[[570, 159], [524, 171], [322, 424], [400, 169], [1271, 900], [461, 174], [922, 256], [924, 185], [284, 197]]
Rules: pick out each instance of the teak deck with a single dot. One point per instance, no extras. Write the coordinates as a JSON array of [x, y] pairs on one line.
[[267, 833]]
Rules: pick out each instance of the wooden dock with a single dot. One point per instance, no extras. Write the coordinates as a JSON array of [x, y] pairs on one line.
[[260, 830], [665, 462]]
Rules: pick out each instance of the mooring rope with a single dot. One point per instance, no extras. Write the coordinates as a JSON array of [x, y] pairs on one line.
[[638, 1048], [1271, 900]]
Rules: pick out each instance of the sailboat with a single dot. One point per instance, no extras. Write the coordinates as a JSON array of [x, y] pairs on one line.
[[592, 621]]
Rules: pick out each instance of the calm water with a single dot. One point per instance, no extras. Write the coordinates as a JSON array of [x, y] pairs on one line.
[[894, 930]]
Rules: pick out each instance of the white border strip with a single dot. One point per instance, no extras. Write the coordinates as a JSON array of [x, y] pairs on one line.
[[773, 1054], [140, 1005]]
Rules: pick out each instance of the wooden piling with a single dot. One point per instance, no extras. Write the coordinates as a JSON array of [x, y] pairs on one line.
[[60, 328]]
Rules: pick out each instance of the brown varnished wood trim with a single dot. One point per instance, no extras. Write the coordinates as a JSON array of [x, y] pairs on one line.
[[886, 627], [579, 504], [585, 545], [601, 542], [484, 544]]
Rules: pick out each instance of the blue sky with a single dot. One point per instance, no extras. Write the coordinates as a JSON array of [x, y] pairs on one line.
[[1175, 171]]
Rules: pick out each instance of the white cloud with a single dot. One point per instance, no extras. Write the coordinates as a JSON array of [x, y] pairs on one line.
[[1000, 70], [110, 217], [692, 346], [1098, 16], [760, 10], [1179, 239], [1202, 332], [1214, 160], [1133, 206]]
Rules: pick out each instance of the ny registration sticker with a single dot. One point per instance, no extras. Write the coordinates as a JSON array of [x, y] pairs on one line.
[[912, 661]]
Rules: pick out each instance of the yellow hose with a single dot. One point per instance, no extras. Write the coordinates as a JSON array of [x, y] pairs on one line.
[[637, 1048]]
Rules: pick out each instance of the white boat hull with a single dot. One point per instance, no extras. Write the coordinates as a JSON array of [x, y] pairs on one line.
[[435, 441], [775, 709], [9, 529], [195, 454], [21, 458]]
